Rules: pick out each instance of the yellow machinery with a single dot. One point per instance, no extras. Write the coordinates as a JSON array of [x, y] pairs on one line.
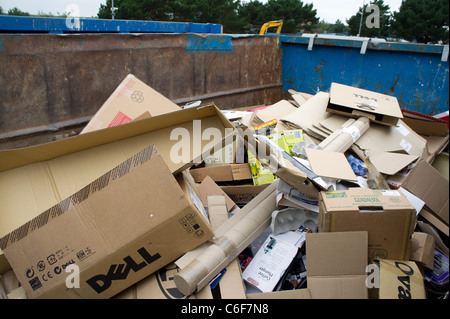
[[270, 24]]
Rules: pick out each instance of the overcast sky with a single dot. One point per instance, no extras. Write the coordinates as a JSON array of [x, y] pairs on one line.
[[328, 10]]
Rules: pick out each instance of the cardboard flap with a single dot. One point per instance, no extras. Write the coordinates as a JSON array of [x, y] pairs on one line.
[[209, 187], [336, 254], [429, 185], [391, 163], [275, 111], [330, 164], [310, 112], [171, 133], [345, 287]]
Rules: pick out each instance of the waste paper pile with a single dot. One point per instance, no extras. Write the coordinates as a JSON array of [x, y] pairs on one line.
[[334, 195]]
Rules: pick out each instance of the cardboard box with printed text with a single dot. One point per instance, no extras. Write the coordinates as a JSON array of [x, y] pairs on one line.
[[47, 174], [387, 216], [120, 228]]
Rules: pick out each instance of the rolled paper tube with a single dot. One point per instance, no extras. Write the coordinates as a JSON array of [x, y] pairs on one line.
[[347, 136], [224, 246]]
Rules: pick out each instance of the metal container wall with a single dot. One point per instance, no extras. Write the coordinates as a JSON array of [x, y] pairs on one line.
[[52, 84], [417, 74]]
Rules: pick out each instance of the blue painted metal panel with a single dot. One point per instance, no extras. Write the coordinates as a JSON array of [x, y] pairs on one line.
[[15, 24], [209, 43], [414, 73]]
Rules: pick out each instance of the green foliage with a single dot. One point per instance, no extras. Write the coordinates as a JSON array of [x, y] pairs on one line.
[[297, 16], [17, 12], [324, 27], [201, 11], [232, 14], [422, 20]]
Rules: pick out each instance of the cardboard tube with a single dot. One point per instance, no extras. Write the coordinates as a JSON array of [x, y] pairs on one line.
[[226, 246], [347, 136]]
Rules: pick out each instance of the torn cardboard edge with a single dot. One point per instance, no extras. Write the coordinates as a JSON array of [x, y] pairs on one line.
[[391, 163]]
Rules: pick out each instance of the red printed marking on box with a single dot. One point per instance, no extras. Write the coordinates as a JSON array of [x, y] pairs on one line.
[[120, 118], [126, 88]]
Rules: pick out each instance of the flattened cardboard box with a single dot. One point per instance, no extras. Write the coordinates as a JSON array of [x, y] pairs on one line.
[[128, 101], [119, 229], [48, 173], [386, 215], [355, 102]]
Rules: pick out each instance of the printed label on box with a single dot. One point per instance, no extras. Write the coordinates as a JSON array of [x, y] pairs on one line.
[[120, 118]]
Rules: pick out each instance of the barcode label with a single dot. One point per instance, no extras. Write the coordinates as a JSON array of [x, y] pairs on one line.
[[296, 133]]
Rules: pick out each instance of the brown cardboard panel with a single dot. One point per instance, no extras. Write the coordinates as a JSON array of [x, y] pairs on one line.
[[429, 185], [309, 113], [130, 100], [422, 249], [336, 264], [48, 173], [392, 163], [109, 223], [353, 101], [330, 164], [223, 173], [275, 111], [400, 280], [209, 187], [287, 294]]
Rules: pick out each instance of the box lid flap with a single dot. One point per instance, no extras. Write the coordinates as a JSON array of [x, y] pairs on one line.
[[337, 253]]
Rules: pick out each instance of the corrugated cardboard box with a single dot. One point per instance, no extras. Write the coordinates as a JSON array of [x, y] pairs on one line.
[[400, 279], [122, 227], [47, 174], [429, 185], [222, 173], [386, 215], [129, 100], [243, 194], [336, 265], [355, 102]]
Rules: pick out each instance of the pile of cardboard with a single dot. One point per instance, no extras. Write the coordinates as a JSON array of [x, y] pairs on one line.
[[332, 195]]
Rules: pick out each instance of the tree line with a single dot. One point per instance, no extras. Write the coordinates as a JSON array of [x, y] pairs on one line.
[[424, 21]]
